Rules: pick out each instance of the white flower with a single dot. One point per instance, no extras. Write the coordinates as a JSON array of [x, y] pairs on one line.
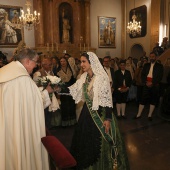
[[53, 79], [42, 80]]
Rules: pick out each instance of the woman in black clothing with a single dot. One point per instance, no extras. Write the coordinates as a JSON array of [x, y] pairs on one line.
[[97, 142]]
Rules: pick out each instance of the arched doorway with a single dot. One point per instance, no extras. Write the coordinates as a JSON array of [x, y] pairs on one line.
[[137, 51]]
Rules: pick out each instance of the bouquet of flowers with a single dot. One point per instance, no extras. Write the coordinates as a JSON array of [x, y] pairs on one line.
[[52, 80], [56, 84]]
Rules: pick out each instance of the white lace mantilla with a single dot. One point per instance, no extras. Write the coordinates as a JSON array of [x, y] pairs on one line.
[[101, 86]]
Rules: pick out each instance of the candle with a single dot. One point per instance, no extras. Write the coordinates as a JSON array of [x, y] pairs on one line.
[[80, 46], [84, 46]]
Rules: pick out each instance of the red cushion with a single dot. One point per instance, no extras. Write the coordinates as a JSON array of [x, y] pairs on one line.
[[58, 152], [48, 132]]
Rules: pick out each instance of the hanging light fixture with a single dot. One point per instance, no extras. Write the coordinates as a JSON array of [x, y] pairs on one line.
[[134, 27], [27, 19]]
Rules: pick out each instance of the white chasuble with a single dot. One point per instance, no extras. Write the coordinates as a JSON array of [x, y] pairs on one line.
[[22, 122]]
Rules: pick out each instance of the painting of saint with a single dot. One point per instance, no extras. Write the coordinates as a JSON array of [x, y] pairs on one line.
[[107, 31], [10, 28]]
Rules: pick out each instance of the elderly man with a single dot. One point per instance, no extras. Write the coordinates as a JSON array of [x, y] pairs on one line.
[[109, 70], [21, 116], [46, 70]]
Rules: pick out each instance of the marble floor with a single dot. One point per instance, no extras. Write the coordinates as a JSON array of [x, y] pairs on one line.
[[147, 142]]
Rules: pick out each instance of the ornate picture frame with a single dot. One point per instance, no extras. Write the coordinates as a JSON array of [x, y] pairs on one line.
[[141, 16], [107, 32], [11, 31]]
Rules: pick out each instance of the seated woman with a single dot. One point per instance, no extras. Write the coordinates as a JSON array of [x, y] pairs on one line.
[[97, 143]]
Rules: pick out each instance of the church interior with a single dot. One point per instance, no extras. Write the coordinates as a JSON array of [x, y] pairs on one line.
[[147, 142], [85, 26]]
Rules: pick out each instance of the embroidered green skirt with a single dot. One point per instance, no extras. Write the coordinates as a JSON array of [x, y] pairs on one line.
[[92, 151]]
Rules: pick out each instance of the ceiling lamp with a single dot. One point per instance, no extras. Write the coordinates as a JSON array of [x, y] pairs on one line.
[[134, 27], [27, 19]]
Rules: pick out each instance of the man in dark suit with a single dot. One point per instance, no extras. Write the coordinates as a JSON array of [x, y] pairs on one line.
[[122, 82], [109, 70], [151, 76]]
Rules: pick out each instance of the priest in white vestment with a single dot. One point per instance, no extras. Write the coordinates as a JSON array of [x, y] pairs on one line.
[[22, 122]]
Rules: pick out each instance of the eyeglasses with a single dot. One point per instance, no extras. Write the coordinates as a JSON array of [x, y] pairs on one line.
[[34, 61]]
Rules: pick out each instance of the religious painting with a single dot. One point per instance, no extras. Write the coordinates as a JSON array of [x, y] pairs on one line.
[[141, 16], [107, 32], [11, 31]]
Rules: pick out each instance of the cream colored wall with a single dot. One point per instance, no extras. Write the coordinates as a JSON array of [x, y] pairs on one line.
[[164, 28], [109, 8], [28, 35], [143, 41], [112, 8]]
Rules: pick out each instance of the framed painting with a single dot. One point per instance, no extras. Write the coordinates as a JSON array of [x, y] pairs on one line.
[[141, 16], [107, 32], [11, 31]]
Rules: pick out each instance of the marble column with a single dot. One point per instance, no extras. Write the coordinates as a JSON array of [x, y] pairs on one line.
[[51, 22], [87, 23], [48, 21], [56, 37], [39, 31], [123, 35]]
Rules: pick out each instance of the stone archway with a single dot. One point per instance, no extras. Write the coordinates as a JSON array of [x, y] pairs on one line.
[[137, 51]]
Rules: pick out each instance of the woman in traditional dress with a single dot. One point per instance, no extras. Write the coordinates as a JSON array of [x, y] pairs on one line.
[[132, 90], [56, 64], [138, 80], [68, 107], [97, 143]]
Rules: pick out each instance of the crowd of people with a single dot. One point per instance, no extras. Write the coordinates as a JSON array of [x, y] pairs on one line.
[[159, 49], [144, 82], [126, 77], [91, 87]]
